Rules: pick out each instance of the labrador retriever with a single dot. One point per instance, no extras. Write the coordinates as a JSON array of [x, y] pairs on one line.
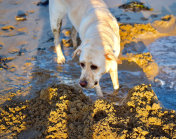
[[99, 33]]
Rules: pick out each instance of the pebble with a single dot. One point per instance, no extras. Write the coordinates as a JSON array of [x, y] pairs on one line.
[[40, 49], [43, 3], [3, 64], [144, 19], [66, 33], [21, 51], [30, 11], [66, 42], [8, 28], [21, 16], [135, 6], [1, 45], [154, 16]]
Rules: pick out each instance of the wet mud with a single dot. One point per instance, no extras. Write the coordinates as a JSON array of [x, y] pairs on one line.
[[63, 111], [145, 62]]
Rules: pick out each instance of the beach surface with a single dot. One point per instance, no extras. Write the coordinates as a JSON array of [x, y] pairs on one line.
[[41, 99]]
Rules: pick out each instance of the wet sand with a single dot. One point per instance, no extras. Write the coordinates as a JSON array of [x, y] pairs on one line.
[[62, 111]]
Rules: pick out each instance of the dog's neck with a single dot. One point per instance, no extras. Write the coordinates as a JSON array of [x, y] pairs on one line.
[[96, 27]]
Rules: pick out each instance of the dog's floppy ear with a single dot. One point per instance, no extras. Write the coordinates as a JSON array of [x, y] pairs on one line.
[[110, 56], [76, 52]]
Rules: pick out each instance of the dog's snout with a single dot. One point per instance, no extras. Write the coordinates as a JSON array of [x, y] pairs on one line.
[[83, 83]]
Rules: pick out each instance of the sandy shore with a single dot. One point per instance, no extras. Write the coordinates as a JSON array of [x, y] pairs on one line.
[[62, 111]]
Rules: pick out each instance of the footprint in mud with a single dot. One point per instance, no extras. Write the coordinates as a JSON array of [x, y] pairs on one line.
[[3, 63], [10, 30]]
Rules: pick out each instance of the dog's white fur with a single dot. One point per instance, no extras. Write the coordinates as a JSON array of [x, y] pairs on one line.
[[99, 33]]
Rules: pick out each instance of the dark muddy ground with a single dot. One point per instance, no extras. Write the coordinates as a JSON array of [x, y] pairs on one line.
[[62, 111]]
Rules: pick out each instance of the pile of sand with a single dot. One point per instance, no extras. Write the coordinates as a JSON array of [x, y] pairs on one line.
[[64, 112]]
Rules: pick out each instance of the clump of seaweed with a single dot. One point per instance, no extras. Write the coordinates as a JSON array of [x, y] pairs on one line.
[[135, 6], [129, 33]]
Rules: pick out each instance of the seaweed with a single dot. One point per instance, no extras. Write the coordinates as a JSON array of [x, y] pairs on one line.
[[135, 6]]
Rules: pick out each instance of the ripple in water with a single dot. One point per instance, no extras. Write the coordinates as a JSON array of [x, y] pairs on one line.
[[163, 51]]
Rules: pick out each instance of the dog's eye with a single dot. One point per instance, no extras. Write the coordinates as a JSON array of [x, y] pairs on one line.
[[82, 65], [93, 67]]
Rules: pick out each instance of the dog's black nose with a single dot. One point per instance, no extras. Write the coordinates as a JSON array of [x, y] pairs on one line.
[[83, 83], [95, 83]]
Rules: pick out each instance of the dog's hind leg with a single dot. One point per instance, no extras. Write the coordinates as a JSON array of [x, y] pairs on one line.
[[57, 12]]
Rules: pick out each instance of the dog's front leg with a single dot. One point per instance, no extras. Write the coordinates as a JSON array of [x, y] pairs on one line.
[[98, 90], [114, 76], [57, 12], [60, 56]]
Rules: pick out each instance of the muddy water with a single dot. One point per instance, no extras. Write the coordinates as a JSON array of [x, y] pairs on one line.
[[29, 60], [163, 51], [23, 48]]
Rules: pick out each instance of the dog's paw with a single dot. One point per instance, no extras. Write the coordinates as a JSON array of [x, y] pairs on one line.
[[61, 60], [116, 87]]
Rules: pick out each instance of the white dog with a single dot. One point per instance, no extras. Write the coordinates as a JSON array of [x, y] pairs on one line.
[[99, 33]]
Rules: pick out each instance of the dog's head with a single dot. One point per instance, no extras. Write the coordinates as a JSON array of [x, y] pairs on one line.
[[94, 63]]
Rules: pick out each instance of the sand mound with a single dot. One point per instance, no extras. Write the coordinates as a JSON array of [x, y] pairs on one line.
[[64, 112]]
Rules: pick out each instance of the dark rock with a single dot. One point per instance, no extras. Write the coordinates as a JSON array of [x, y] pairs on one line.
[[144, 19], [166, 18], [135, 6], [41, 49], [51, 39], [1, 45], [118, 18], [8, 28], [128, 18], [22, 51], [21, 16], [43, 3], [154, 16]]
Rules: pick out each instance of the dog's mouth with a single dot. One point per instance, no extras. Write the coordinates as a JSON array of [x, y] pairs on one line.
[[95, 84], [84, 84]]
